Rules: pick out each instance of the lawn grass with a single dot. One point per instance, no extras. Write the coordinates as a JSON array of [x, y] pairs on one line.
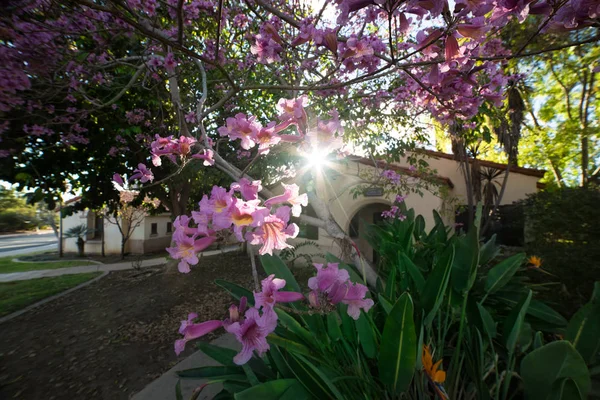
[[19, 294], [7, 265]]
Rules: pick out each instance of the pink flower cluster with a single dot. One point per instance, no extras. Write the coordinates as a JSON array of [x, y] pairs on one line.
[[395, 211], [361, 53], [239, 211], [142, 173], [267, 44], [251, 132], [172, 148], [332, 285], [249, 326], [391, 176], [252, 325]]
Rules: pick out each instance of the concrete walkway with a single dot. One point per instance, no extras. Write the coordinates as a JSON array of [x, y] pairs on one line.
[[47, 273], [163, 388], [122, 266]]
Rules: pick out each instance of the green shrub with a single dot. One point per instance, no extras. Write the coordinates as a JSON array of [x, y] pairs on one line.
[[450, 320], [563, 228]]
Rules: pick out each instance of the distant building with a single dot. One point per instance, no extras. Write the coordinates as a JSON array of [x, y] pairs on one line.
[[152, 235]]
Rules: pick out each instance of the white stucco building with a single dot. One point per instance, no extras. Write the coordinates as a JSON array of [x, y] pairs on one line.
[[354, 214], [152, 235]]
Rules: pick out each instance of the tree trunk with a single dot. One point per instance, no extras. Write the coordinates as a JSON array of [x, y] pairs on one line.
[[80, 247], [123, 241], [585, 159], [556, 172]]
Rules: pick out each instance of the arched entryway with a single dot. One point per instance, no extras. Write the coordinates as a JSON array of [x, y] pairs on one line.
[[367, 215]]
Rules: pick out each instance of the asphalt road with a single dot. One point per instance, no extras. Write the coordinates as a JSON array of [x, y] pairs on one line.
[[28, 242]]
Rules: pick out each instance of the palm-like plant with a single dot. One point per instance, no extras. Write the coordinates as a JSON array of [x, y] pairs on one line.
[[79, 232]]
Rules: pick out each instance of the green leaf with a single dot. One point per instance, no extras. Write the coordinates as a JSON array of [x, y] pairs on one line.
[[435, 286], [565, 389], [385, 304], [221, 355], [235, 387], [313, 379], [278, 360], [584, 331], [271, 390], [213, 372], [538, 340], [347, 324], [551, 363], [225, 356], [536, 309], [275, 265], [294, 326], [488, 321], [296, 392], [501, 274], [178, 394], [466, 260], [366, 336], [514, 323], [398, 352], [236, 290], [250, 375], [390, 286], [223, 395], [413, 271], [333, 326], [419, 230], [289, 345], [488, 251]]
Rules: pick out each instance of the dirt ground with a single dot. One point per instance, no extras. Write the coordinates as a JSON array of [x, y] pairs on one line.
[[112, 338]]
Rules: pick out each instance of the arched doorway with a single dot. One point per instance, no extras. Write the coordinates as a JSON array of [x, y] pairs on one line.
[[367, 215]]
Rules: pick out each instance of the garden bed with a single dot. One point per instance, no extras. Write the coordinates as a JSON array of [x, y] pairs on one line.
[[112, 338]]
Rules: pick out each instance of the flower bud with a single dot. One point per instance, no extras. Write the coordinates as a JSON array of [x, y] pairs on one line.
[[313, 299], [234, 314], [331, 42]]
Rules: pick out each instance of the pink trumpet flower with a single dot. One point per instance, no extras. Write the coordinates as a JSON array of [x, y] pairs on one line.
[[187, 248], [207, 155], [327, 277], [273, 232], [291, 196], [270, 294], [252, 334], [142, 173], [191, 331], [241, 127], [249, 190], [355, 299], [118, 179]]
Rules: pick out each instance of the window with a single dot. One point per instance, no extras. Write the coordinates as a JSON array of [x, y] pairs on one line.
[[153, 229], [307, 231], [98, 226], [169, 227]]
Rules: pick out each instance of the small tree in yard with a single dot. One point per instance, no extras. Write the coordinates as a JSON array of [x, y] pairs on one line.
[[126, 216]]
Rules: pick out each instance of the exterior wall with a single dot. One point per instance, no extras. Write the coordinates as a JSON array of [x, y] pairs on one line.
[[340, 178], [144, 241], [517, 188], [141, 241]]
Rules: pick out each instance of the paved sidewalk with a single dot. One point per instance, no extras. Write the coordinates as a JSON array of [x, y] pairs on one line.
[[163, 388], [47, 273]]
